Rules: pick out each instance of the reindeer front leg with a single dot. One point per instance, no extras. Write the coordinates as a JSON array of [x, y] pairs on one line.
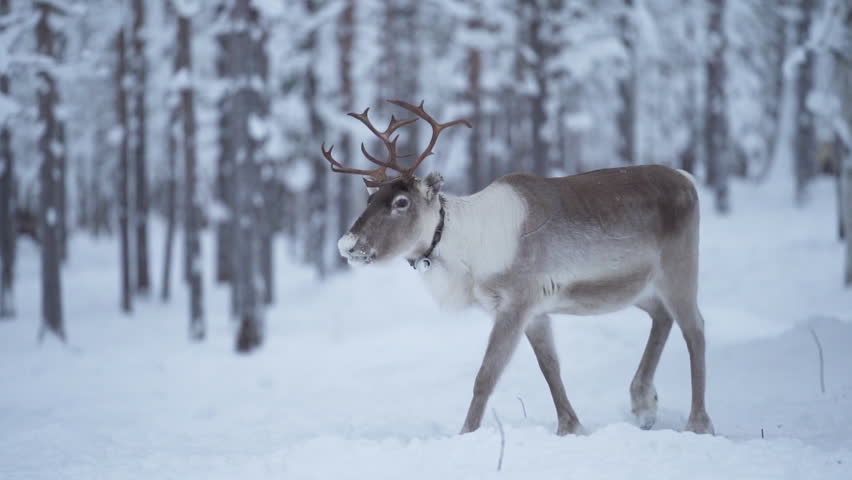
[[507, 330]]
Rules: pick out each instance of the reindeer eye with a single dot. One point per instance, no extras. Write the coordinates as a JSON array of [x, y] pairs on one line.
[[400, 203]]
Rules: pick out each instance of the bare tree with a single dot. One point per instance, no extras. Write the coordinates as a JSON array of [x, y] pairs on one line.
[[715, 123], [139, 73], [50, 178], [192, 209], [123, 173]]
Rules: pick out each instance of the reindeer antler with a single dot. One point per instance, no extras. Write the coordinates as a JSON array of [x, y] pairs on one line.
[[378, 176]]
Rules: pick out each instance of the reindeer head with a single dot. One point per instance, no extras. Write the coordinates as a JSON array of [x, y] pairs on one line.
[[400, 209]]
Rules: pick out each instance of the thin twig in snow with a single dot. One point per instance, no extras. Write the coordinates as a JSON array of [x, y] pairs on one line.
[[502, 439], [821, 362], [523, 407]]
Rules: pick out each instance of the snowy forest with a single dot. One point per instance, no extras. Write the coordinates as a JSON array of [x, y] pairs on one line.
[[162, 158]]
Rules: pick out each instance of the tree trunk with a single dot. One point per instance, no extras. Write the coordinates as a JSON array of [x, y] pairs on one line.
[[140, 73], [845, 167], [318, 194], [846, 189], [171, 205], [345, 42], [540, 160], [8, 192], [249, 62], [476, 167], [716, 126], [688, 157], [805, 137], [267, 267], [62, 193], [192, 208], [123, 174], [50, 175], [775, 98], [626, 117], [225, 174]]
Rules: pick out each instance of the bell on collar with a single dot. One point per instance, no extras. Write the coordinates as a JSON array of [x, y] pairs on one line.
[[423, 264]]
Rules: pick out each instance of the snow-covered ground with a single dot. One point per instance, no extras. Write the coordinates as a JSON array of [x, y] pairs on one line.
[[363, 377]]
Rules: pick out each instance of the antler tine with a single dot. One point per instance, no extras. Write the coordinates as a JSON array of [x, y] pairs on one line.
[[437, 128], [364, 117], [390, 144], [371, 158], [338, 167], [395, 124]]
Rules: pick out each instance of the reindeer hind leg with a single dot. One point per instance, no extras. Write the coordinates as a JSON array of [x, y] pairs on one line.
[[643, 394]]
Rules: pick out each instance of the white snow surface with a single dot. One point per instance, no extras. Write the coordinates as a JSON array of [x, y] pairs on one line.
[[363, 377]]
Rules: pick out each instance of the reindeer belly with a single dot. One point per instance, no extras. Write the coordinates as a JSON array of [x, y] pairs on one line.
[[600, 294]]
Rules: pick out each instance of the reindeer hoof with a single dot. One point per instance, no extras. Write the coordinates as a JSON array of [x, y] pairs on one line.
[[570, 426], [700, 423], [643, 399], [468, 429], [646, 419]]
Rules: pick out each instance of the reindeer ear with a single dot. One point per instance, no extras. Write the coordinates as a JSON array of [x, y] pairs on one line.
[[372, 190], [432, 185]]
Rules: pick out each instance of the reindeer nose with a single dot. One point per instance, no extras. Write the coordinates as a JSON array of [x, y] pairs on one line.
[[347, 243]]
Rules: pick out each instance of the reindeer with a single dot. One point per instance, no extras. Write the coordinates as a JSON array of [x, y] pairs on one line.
[[525, 247]]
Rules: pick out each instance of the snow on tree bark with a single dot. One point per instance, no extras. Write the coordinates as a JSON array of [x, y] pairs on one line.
[[225, 171], [50, 178], [249, 67], [192, 209]]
